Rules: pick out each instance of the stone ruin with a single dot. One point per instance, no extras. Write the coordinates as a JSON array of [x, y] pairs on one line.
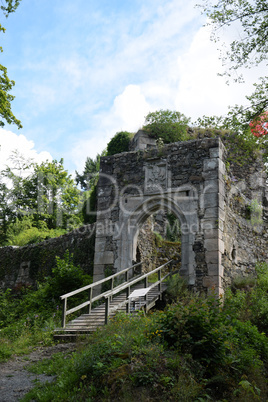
[[221, 204], [222, 208]]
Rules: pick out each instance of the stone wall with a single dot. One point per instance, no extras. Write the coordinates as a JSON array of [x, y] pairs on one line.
[[154, 250], [197, 181], [184, 178], [245, 218], [219, 194], [25, 265]]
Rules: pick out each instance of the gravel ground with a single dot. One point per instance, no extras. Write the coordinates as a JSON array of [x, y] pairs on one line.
[[16, 381]]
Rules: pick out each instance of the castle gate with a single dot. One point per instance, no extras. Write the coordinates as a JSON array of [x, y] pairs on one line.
[[186, 178]]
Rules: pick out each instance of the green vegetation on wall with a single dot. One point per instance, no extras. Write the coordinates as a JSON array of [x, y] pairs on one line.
[[119, 143], [170, 126]]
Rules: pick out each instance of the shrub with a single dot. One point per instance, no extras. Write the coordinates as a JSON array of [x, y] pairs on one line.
[[66, 277], [173, 230], [119, 143], [170, 126], [28, 231]]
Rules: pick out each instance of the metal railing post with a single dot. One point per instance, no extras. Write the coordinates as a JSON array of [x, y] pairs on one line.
[[107, 308], [64, 309], [128, 303], [112, 287], [90, 300], [146, 286], [159, 278]]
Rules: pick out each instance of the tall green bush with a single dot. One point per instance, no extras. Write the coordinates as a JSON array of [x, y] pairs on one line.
[[119, 143]]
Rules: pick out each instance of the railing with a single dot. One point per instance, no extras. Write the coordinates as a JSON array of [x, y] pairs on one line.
[[90, 288], [126, 286]]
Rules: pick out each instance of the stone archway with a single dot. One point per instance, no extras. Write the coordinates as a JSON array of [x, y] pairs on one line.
[[131, 226], [185, 178]]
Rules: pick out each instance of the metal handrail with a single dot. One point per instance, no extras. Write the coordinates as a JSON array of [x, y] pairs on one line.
[[127, 286], [90, 287]]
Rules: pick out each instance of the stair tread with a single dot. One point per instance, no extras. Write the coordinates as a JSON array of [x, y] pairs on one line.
[[89, 322]]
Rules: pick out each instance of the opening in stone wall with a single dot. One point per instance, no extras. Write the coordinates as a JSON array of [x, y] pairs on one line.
[[159, 240]]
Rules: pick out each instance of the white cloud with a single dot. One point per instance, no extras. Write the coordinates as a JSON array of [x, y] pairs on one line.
[[201, 91], [10, 142], [87, 147], [130, 108], [126, 114]]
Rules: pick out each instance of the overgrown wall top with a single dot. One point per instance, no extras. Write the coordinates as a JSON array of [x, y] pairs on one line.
[[25, 265]]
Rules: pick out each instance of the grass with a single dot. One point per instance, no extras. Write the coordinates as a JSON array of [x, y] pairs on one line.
[[196, 349], [29, 316]]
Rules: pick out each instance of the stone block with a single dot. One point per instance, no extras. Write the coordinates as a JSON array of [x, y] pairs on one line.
[[105, 258], [210, 174], [196, 178], [215, 212], [222, 168], [213, 244], [209, 224], [212, 213], [216, 152], [215, 270], [105, 227], [213, 257], [211, 282], [212, 233], [210, 164], [100, 243], [211, 200], [212, 186], [104, 191], [106, 214]]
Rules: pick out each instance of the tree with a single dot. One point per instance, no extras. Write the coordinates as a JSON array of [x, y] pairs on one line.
[[90, 175], [44, 192], [119, 143], [170, 126], [88, 181], [250, 49], [52, 195], [6, 84]]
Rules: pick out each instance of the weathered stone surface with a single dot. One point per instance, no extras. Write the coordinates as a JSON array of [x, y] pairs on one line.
[[25, 265], [104, 258], [221, 234], [195, 176]]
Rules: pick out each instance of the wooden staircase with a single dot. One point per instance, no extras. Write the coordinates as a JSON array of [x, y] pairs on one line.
[[118, 299]]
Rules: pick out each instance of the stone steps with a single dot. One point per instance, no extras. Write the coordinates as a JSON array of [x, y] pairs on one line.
[[88, 323]]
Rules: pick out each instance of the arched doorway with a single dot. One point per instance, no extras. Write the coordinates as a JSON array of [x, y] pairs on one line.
[[132, 224], [159, 241]]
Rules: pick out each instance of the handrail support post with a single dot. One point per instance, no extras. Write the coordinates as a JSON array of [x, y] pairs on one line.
[[128, 300], [159, 279], [90, 300], [107, 308], [64, 309], [146, 286]]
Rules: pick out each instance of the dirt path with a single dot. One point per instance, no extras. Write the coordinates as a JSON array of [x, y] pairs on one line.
[[16, 381]]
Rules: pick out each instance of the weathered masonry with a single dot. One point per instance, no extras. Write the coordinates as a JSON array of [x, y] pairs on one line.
[[220, 198], [218, 239]]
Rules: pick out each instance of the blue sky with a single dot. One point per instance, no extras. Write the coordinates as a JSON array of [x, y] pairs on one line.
[[86, 69]]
